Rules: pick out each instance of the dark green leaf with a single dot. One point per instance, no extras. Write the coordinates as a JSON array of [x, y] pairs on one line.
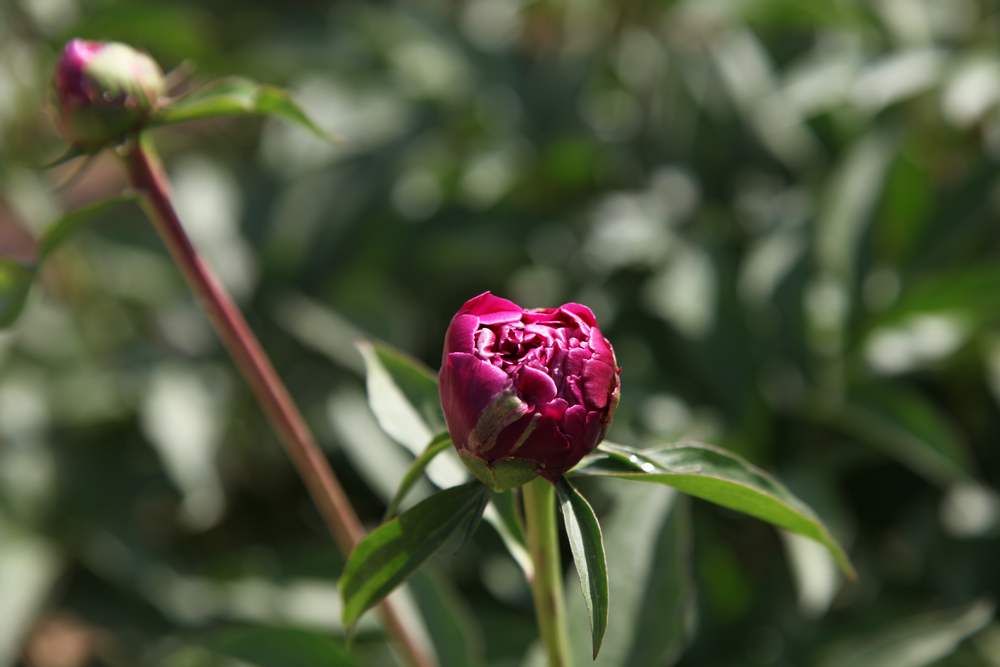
[[911, 642], [403, 394], [236, 97], [277, 647], [15, 283], [390, 553], [65, 227], [721, 477], [647, 538], [451, 625], [439, 444], [907, 427], [587, 545]]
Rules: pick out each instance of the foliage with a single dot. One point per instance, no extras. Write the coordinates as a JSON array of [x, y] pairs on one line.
[[781, 212]]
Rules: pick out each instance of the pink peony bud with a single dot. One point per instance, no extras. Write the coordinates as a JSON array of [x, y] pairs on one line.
[[104, 91], [526, 392]]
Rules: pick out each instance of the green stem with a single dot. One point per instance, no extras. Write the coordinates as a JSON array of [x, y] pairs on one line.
[[546, 587], [148, 179]]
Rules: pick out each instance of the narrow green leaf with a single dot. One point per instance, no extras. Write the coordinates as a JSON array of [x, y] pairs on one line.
[[440, 443], [647, 537], [721, 477], [17, 277], [907, 427], [502, 514], [390, 553], [15, 283], [452, 626], [237, 97], [917, 641], [65, 227], [587, 545], [277, 647], [403, 394]]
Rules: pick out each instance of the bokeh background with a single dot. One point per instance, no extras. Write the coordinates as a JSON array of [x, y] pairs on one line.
[[784, 214]]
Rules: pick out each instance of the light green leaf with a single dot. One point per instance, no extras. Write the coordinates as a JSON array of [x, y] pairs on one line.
[[587, 545], [390, 553], [403, 394], [913, 642], [277, 647], [721, 477], [440, 443], [236, 97]]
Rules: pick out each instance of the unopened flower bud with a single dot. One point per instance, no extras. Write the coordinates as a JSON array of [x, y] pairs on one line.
[[526, 392], [104, 90]]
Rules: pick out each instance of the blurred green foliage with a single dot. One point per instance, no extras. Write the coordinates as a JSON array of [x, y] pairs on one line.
[[784, 214]]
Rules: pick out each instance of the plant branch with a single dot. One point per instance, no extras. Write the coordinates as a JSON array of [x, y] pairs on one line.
[[546, 587], [148, 179]]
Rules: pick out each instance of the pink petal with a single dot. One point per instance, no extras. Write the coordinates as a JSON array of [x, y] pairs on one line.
[[535, 387], [581, 311], [468, 385], [492, 309], [460, 335], [598, 377]]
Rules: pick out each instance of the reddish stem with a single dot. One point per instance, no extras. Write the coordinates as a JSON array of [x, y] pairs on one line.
[[147, 177]]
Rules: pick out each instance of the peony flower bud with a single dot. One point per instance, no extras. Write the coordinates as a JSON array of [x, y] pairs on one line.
[[104, 90], [526, 392]]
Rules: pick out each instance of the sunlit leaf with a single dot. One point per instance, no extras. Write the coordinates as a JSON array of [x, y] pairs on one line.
[[587, 546], [236, 97], [403, 394], [721, 477], [390, 553], [277, 647]]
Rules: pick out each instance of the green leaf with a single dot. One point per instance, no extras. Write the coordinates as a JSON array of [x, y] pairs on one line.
[[277, 647], [15, 283], [440, 443], [502, 514], [67, 226], [587, 545], [647, 537], [452, 626], [911, 642], [721, 477], [236, 97], [390, 553], [907, 427], [17, 277], [403, 394]]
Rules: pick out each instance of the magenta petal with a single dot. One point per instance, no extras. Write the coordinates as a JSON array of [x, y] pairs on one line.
[[492, 309], [467, 387], [575, 421], [581, 311], [535, 387], [598, 377], [460, 334]]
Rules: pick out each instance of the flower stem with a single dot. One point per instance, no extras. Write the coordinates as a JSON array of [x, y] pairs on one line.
[[546, 586], [149, 180]]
